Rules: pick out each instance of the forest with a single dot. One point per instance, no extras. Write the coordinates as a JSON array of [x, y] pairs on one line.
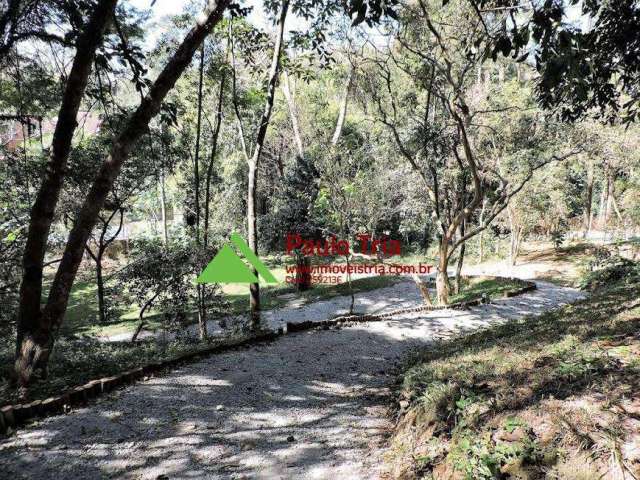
[[443, 194]]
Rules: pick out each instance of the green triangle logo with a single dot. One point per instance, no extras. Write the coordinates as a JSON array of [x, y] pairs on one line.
[[227, 267]]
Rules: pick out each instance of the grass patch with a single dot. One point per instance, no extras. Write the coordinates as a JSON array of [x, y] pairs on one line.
[[553, 396], [475, 287], [272, 296], [82, 314]]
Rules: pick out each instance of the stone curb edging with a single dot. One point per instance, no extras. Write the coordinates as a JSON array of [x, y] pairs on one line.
[[12, 416], [324, 324]]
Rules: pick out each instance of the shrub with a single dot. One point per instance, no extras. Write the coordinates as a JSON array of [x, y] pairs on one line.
[[557, 237], [609, 270], [162, 277]]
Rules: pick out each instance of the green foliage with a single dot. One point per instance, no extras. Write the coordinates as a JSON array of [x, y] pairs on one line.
[[479, 457], [485, 398], [76, 361], [578, 77], [511, 423], [364, 183], [162, 277], [476, 288], [19, 172], [558, 237], [607, 269]]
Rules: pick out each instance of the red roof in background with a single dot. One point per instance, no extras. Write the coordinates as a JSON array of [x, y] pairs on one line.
[[11, 131]]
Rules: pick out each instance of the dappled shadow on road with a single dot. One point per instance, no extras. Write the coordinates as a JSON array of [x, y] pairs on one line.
[[309, 404]]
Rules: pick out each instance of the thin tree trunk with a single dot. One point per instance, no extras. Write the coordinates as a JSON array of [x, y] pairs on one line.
[[293, 115], [588, 201], [254, 288], [519, 241], [608, 203], [142, 319], [481, 234], [458, 285], [102, 317], [214, 151], [616, 209], [353, 298], [601, 207], [234, 96], [196, 159], [46, 200], [163, 208], [202, 313], [102, 247], [513, 229], [443, 287], [36, 347], [604, 197], [252, 230], [342, 114], [423, 289], [99, 281]]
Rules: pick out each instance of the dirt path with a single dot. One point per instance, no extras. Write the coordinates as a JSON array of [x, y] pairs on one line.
[[309, 405], [394, 297]]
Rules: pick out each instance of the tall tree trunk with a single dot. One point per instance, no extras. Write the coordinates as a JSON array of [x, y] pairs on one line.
[[481, 234], [353, 298], [513, 229], [207, 197], [36, 346], [616, 209], [97, 258], [293, 114], [514, 249], [610, 193], [212, 158], [43, 209], [102, 245], [202, 311], [423, 289], [303, 275], [163, 208], [342, 113], [458, 284], [604, 198], [234, 96], [102, 316], [196, 157], [588, 204], [252, 230], [443, 287]]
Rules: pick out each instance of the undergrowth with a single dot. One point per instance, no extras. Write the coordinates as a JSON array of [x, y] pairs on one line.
[[553, 396]]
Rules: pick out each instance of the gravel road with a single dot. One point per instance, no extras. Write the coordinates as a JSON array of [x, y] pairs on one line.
[[309, 405]]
